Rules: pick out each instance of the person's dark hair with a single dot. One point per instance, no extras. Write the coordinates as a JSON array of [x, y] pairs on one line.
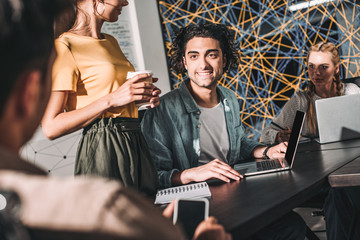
[[66, 20], [26, 38], [69, 20], [206, 30]]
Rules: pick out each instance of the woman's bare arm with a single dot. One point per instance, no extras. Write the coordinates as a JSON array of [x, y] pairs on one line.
[[57, 123]]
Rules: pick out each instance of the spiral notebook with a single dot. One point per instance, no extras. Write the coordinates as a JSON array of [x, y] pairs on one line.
[[195, 190]]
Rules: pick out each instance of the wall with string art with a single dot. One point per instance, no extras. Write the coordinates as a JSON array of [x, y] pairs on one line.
[[274, 36]]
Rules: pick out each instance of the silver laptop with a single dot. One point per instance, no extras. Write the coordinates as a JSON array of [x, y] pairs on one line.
[[338, 118], [279, 164]]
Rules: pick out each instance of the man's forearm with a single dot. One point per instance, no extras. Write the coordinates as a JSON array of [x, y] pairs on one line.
[[258, 151], [180, 178]]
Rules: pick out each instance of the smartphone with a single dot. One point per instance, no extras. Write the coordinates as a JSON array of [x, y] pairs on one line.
[[189, 213]]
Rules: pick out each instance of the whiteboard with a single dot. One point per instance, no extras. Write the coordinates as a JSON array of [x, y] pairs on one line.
[[139, 34], [126, 32]]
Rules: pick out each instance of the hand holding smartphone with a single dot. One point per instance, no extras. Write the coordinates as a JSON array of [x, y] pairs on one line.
[[190, 213]]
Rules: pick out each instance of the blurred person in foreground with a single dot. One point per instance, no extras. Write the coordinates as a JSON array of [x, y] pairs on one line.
[[60, 208]]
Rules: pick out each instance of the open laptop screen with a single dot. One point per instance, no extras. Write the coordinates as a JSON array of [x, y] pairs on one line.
[[338, 118], [294, 137]]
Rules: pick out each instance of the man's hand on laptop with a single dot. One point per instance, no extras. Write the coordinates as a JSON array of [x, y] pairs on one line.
[[214, 169], [282, 162], [277, 151]]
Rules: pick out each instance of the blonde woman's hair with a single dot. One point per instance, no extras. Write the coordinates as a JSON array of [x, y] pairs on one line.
[[310, 90]]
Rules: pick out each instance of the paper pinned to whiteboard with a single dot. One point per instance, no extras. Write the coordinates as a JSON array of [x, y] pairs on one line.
[[126, 32]]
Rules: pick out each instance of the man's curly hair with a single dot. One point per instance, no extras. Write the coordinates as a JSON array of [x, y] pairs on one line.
[[206, 30]]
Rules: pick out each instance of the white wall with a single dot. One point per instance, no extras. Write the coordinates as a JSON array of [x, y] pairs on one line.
[[152, 41], [147, 51]]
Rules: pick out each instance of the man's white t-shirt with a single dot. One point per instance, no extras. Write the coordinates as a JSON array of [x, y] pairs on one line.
[[214, 138]]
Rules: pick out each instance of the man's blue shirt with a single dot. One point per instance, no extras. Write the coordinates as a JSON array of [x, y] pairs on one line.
[[172, 131]]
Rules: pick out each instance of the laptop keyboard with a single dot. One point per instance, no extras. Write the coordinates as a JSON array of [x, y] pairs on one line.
[[267, 165]]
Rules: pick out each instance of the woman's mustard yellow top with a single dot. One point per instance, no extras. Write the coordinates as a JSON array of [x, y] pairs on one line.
[[89, 69]]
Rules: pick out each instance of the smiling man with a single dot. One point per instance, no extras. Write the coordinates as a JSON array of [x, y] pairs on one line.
[[196, 133]]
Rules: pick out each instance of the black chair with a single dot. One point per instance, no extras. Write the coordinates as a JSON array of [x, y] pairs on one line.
[[355, 80], [316, 202]]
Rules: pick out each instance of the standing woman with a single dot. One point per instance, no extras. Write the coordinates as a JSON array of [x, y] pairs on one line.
[[323, 62], [90, 91]]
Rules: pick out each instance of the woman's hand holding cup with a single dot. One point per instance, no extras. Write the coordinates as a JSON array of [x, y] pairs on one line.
[[154, 99]]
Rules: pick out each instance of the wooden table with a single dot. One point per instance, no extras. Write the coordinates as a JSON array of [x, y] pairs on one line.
[[346, 176], [246, 206]]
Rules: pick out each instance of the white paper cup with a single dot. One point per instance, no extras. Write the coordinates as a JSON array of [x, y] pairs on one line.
[[144, 105], [133, 74]]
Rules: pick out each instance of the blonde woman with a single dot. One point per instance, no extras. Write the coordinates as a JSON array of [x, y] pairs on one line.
[[323, 62], [90, 91]]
